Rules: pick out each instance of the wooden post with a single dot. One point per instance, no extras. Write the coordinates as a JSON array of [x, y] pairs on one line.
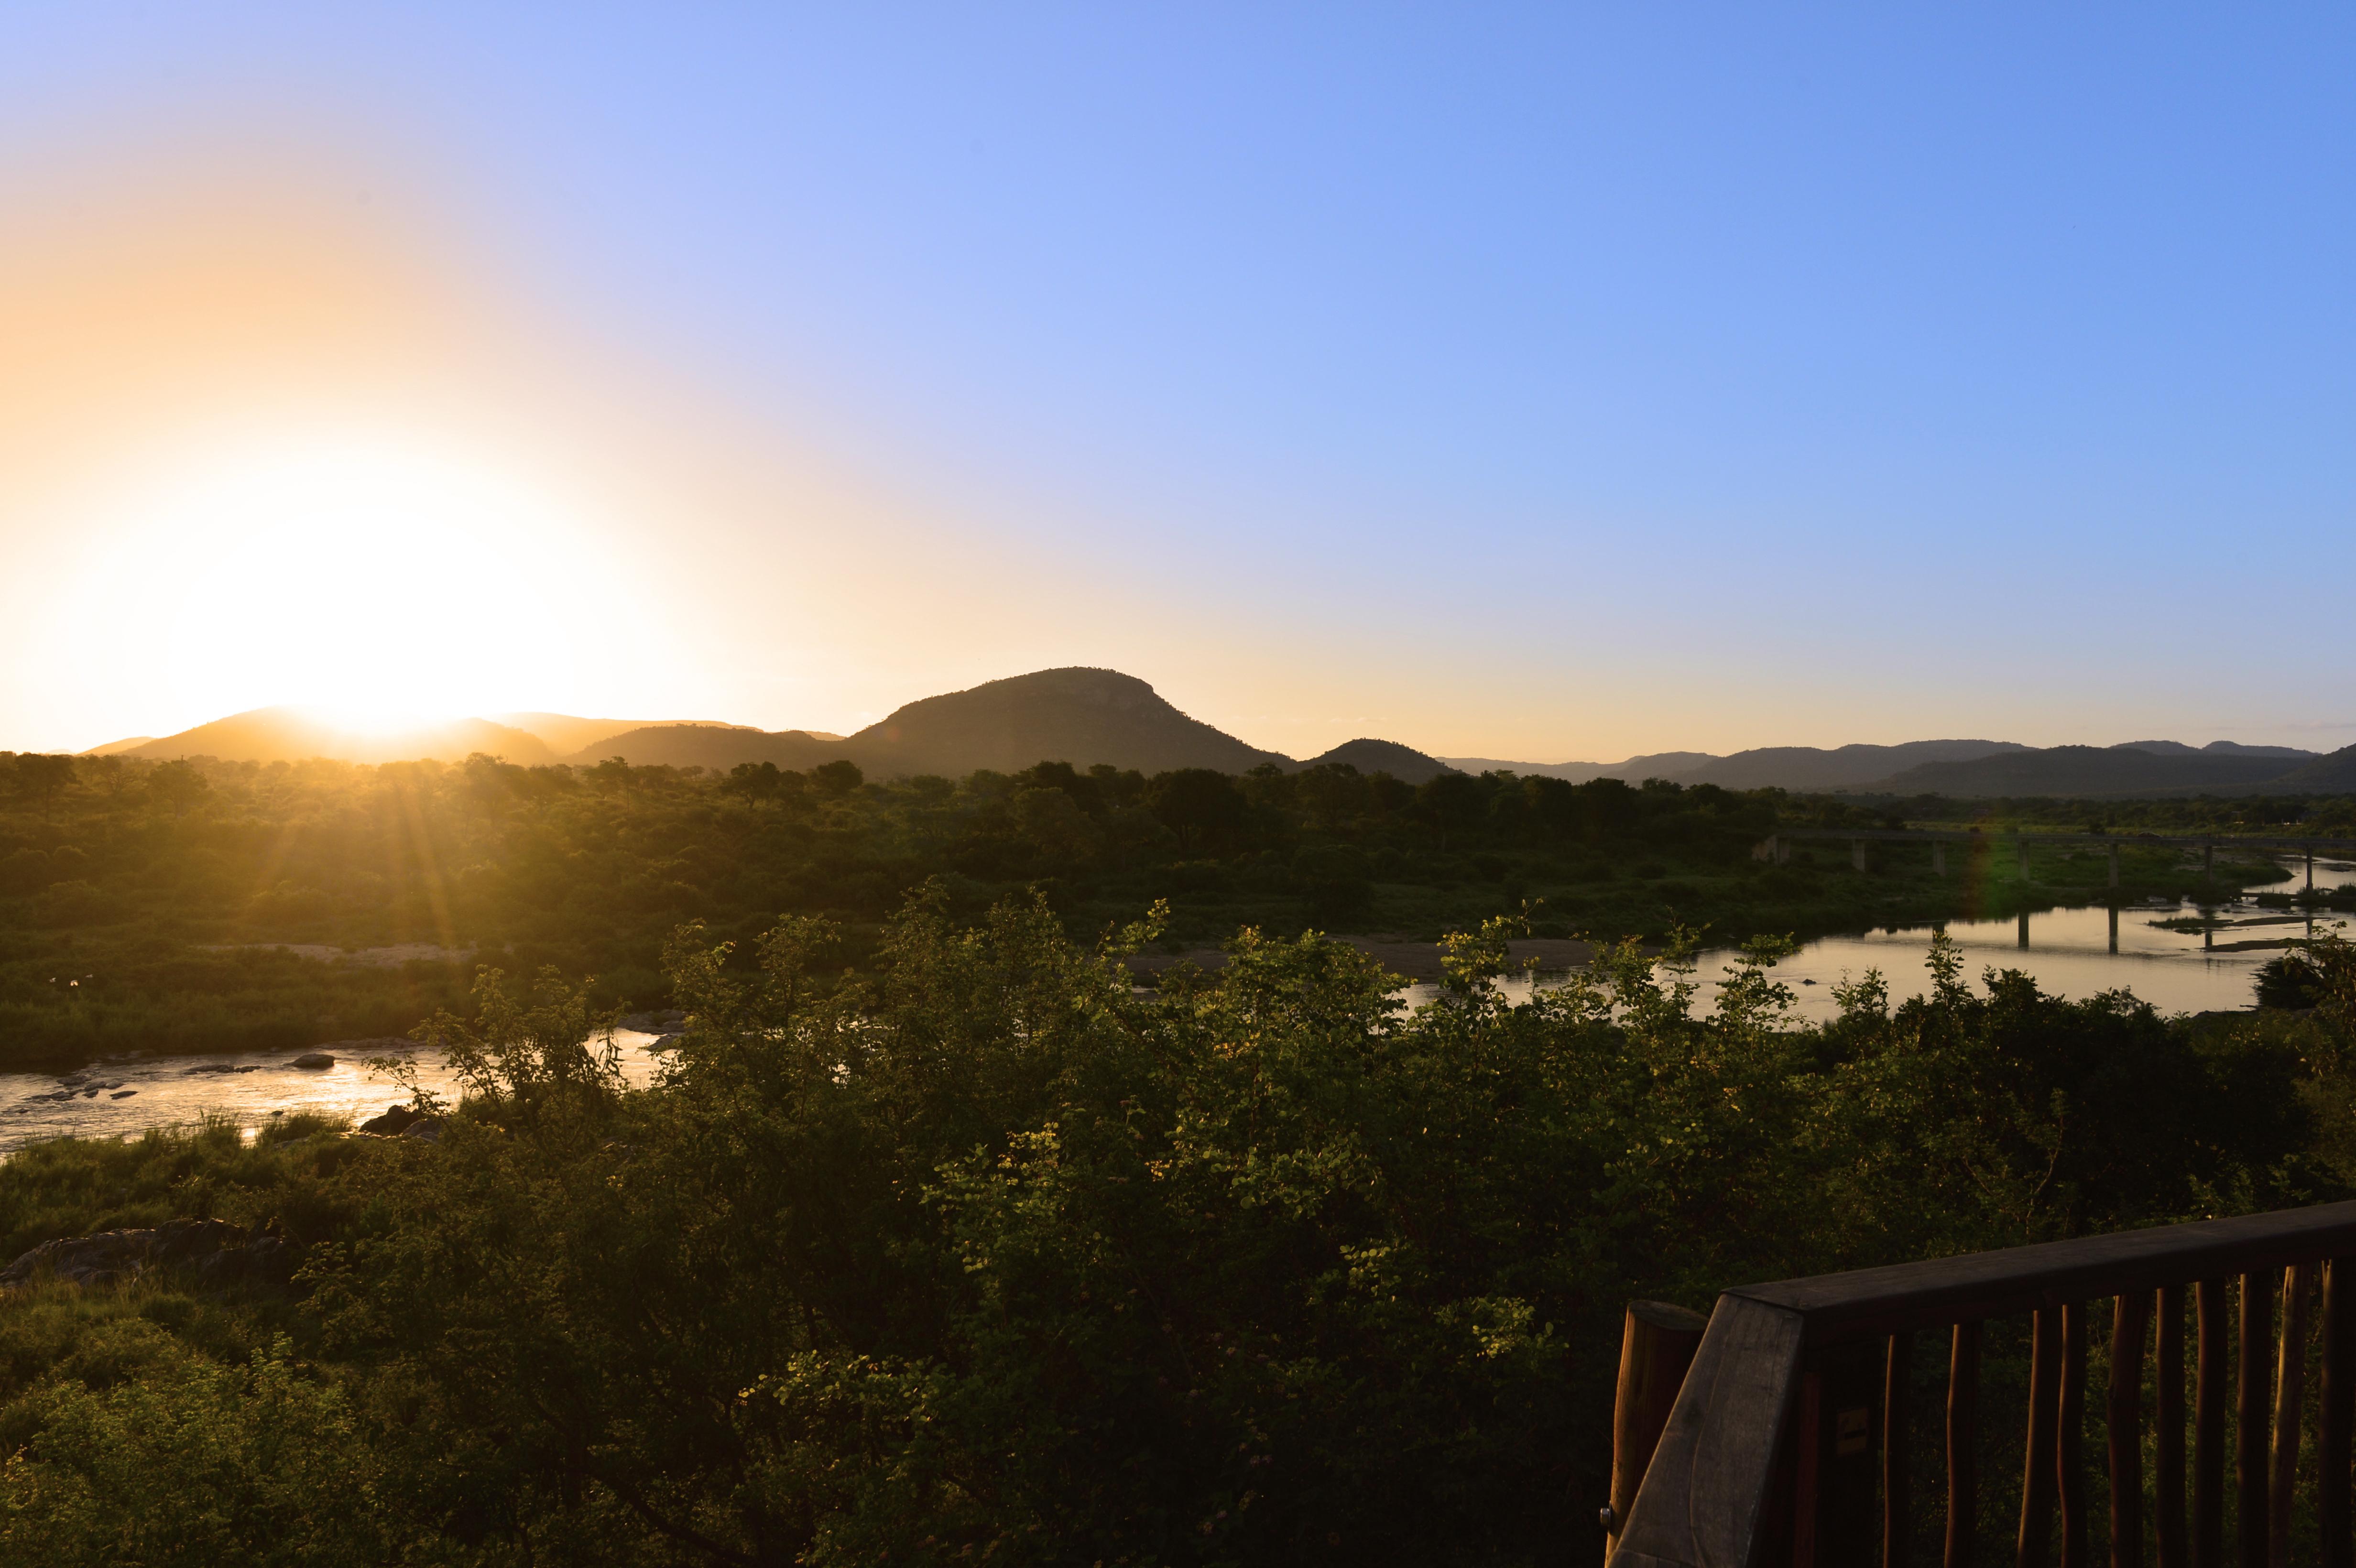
[[2290, 1388], [2168, 1445], [1896, 1494], [2208, 1428], [2338, 1414], [2124, 1424], [2069, 1437], [2254, 1369], [2035, 1544], [1963, 1445], [1657, 1343]]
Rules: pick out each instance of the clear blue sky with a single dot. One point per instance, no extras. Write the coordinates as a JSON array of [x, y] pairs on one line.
[[1544, 381]]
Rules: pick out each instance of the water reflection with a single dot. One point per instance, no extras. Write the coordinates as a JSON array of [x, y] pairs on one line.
[[123, 1096], [2180, 957]]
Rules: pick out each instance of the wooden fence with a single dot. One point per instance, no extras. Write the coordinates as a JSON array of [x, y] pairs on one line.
[[1786, 1441]]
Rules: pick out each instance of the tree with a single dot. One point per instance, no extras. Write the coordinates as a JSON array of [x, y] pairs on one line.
[[109, 774], [44, 777], [1450, 801], [756, 782], [1188, 801], [837, 779], [180, 783], [613, 773]]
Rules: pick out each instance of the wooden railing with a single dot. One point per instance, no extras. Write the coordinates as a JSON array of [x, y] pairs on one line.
[[1786, 1442]]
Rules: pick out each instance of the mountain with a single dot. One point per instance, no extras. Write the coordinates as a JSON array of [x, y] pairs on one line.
[[1079, 716], [113, 748], [718, 747], [1813, 768], [293, 734], [2334, 774], [1404, 762], [1635, 769], [2088, 770], [566, 735], [2216, 749]]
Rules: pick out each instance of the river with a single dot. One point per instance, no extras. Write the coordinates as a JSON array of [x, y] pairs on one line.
[[122, 1096], [2072, 952]]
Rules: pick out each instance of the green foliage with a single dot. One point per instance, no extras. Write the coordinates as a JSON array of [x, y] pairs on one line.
[[163, 889], [977, 1253]]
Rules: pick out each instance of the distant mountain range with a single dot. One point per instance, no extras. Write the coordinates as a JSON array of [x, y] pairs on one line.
[[1090, 716], [1979, 768], [1079, 715]]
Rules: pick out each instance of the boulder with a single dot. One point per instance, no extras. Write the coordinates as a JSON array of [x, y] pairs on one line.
[[215, 1251], [314, 1059], [424, 1129], [396, 1120]]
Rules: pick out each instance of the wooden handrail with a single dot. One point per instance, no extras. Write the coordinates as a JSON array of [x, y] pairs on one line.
[[1765, 1457]]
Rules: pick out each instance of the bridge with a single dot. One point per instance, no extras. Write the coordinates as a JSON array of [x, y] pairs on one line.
[[1777, 846]]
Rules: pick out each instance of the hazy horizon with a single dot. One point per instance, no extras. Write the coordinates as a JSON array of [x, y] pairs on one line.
[[409, 723], [1519, 384]]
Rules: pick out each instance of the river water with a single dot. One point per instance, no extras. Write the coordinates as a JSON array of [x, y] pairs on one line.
[[2071, 952], [122, 1096]]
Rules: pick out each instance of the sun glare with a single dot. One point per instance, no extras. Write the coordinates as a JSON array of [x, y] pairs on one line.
[[383, 588]]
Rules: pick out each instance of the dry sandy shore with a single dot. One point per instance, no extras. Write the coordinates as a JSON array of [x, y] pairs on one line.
[[1410, 961]]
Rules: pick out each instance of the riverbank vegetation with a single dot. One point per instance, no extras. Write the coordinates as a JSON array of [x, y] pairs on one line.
[[165, 907], [982, 1256]]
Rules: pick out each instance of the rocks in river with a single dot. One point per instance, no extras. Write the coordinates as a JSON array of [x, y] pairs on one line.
[[314, 1059], [219, 1067], [404, 1122], [123, 1093], [215, 1251], [398, 1120], [656, 1023]]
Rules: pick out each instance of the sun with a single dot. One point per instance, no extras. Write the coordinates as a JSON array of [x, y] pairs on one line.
[[382, 585]]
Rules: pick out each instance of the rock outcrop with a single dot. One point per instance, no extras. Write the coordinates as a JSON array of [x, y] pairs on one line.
[[216, 1252]]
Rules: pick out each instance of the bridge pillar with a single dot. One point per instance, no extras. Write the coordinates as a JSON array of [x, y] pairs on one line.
[[2208, 858], [2023, 929], [2114, 882], [2020, 842], [1857, 853], [2310, 867], [1938, 857], [2115, 928]]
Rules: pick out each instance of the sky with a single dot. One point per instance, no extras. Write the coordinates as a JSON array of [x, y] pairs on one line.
[[1535, 382]]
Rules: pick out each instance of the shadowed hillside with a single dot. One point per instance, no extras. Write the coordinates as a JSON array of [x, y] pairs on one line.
[[1079, 716], [2088, 770], [1382, 757], [1812, 767], [292, 735], [566, 734], [718, 747]]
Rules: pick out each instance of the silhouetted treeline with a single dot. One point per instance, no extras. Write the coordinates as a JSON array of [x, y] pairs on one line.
[[140, 900]]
